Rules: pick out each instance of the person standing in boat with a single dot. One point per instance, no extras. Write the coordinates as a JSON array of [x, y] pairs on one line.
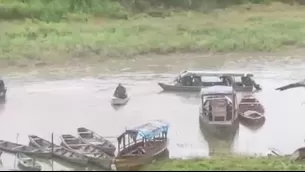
[[120, 92], [248, 81]]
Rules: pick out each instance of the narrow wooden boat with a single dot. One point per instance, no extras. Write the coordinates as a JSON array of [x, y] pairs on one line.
[[58, 151], [27, 163], [251, 111], [18, 148], [90, 137], [94, 154], [141, 145]]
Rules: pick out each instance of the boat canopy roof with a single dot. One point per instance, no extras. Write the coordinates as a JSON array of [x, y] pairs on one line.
[[148, 130], [217, 90], [209, 73]]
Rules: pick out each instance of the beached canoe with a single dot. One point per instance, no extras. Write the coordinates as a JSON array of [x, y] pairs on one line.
[[18, 148], [58, 151], [96, 140], [94, 154]]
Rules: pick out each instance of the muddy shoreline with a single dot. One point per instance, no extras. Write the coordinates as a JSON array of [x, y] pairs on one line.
[[173, 62]]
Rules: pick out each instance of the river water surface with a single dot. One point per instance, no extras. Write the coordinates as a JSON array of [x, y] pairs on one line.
[[58, 104]]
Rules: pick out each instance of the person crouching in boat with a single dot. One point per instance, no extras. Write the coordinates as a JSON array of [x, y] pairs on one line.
[[247, 81], [120, 92], [2, 86]]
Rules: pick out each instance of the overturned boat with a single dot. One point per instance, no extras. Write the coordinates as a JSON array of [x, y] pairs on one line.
[[218, 112], [193, 81], [141, 145], [90, 137], [18, 148], [95, 155], [251, 111], [58, 151]]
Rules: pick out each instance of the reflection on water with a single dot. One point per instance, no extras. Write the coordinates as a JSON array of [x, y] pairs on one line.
[[218, 145], [41, 107]]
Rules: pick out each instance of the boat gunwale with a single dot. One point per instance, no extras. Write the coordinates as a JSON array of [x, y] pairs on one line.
[[216, 74]]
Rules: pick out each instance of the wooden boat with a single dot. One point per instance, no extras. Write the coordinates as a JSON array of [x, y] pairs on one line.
[[58, 151], [251, 111], [141, 145], [298, 154], [90, 137], [27, 163], [218, 112], [94, 154], [119, 101], [18, 148], [204, 82]]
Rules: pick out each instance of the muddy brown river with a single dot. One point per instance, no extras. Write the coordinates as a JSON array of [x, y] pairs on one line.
[[47, 103]]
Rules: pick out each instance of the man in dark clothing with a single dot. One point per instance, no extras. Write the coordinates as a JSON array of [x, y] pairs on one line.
[[187, 81], [2, 90], [120, 92], [247, 81], [2, 86]]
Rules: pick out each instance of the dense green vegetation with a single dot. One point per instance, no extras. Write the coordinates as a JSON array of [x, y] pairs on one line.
[[54, 31], [229, 163]]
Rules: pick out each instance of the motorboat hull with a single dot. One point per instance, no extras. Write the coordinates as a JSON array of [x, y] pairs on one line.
[[181, 88]]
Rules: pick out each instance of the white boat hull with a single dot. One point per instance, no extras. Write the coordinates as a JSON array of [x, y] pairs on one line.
[[118, 101]]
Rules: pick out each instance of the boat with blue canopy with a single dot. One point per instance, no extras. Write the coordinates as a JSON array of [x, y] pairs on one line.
[[141, 145]]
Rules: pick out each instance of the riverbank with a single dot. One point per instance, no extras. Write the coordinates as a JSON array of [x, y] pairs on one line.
[[228, 162], [246, 28]]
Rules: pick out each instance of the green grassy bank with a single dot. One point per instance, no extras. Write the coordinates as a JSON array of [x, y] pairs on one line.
[[240, 163], [53, 31]]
